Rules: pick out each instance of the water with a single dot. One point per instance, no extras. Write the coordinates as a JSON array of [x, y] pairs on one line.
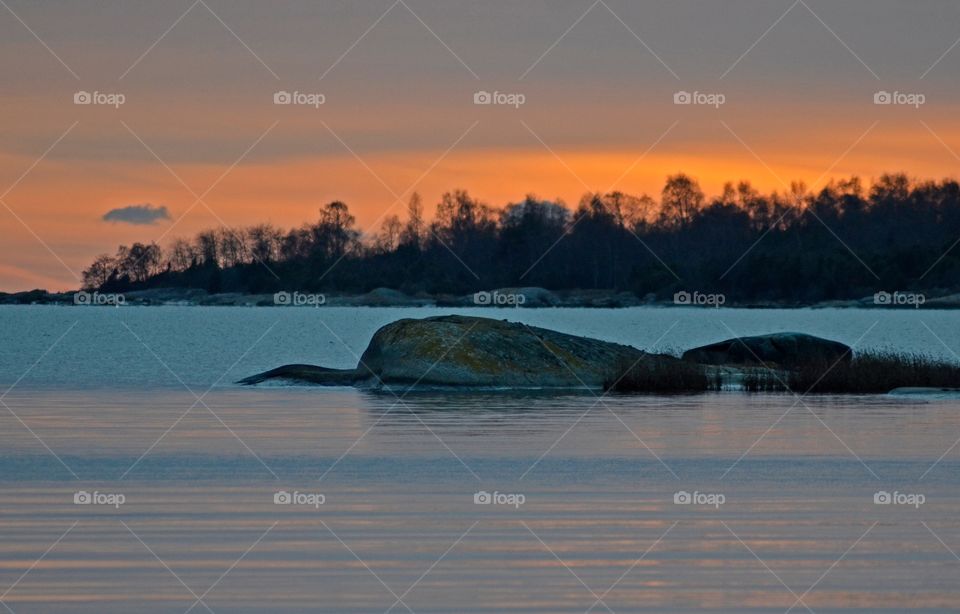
[[114, 410], [200, 346]]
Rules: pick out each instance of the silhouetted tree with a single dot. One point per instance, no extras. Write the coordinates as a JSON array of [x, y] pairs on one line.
[[680, 200], [791, 246]]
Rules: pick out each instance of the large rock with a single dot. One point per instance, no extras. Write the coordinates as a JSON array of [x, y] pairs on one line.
[[473, 352], [780, 349]]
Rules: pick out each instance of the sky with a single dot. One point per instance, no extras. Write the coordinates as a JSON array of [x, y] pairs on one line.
[[183, 130]]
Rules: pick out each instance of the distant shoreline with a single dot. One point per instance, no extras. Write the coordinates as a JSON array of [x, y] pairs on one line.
[[526, 298]]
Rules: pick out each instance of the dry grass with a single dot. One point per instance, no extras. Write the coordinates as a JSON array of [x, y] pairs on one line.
[[868, 373], [874, 372]]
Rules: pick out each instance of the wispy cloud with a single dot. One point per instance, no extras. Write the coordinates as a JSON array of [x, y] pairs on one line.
[[140, 215]]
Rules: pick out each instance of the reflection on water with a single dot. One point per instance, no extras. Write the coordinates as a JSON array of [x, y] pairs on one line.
[[598, 527]]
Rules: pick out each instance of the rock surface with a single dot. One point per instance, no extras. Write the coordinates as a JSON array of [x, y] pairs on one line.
[[468, 351], [777, 349]]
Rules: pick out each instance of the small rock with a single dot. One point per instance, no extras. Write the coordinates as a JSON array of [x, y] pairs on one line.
[[783, 349]]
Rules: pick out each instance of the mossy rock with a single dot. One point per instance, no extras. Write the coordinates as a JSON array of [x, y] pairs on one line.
[[464, 351]]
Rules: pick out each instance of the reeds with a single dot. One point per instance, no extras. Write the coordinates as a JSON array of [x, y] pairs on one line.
[[865, 373]]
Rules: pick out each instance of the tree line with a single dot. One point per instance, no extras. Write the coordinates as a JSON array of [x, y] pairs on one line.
[[847, 240]]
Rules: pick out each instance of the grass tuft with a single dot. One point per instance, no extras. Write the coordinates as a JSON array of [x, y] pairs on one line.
[[867, 373], [875, 372]]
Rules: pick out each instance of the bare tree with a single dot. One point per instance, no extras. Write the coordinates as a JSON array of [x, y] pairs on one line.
[[630, 211], [413, 233], [680, 200], [139, 262], [231, 247], [99, 272], [206, 247], [181, 255], [265, 242], [335, 231], [388, 238]]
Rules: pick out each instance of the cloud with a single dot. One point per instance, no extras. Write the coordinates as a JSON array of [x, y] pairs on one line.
[[137, 214]]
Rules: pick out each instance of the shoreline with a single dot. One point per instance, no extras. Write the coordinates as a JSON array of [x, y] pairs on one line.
[[525, 298]]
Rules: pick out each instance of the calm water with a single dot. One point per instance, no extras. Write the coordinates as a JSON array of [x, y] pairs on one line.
[[106, 401]]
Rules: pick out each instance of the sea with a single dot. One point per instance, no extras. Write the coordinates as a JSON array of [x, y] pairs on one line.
[[137, 476]]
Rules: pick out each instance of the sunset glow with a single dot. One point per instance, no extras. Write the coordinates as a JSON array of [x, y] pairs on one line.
[[597, 114]]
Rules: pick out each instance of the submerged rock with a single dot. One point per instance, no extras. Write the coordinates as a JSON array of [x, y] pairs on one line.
[[926, 392], [783, 349], [310, 374], [468, 351]]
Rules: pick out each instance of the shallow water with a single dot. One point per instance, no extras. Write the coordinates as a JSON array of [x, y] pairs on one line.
[[115, 411], [201, 346]]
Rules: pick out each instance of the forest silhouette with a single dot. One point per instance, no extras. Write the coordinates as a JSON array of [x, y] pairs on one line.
[[847, 240]]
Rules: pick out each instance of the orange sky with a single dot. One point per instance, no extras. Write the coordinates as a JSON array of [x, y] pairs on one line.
[[58, 205], [399, 108]]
